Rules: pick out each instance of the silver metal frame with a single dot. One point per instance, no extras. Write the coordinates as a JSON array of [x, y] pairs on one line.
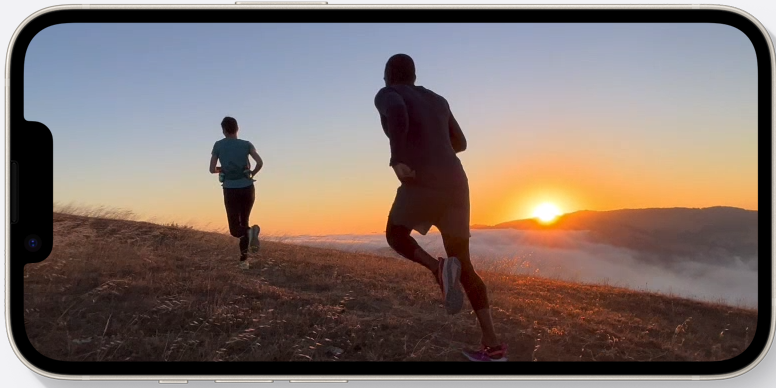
[[345, 378]]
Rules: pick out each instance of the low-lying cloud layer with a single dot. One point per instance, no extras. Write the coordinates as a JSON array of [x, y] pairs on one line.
[[569, 255]]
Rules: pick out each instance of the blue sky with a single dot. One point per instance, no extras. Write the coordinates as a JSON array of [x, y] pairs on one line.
[[135, 109]]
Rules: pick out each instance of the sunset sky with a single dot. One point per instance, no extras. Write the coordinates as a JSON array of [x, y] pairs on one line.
[[582, 116]]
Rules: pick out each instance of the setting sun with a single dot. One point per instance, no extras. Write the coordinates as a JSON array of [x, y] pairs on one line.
[[546, 212]]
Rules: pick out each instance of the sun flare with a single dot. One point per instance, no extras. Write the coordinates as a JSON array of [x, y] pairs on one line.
[[546, 212]]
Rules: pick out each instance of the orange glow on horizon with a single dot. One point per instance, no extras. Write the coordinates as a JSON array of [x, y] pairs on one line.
[[544, 187]]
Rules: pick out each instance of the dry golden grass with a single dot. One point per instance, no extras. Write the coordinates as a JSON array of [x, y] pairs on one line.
[[117, 290]]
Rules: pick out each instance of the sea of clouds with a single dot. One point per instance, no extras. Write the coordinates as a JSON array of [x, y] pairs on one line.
[[569, 255]]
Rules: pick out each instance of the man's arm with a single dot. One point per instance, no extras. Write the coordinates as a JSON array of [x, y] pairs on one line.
[[457, 139], [213, 162], [257, 158], [395, 121]]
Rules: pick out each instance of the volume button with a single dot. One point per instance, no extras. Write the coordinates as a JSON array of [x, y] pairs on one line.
[[14, 192], [244, 381]]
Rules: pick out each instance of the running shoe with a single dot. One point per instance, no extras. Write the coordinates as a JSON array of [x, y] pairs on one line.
[[244, 264], [487, 354]]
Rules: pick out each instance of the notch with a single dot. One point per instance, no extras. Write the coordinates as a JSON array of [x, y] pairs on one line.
[[31, 150]]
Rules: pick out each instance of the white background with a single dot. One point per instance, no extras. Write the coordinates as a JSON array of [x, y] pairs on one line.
[[14, 374]]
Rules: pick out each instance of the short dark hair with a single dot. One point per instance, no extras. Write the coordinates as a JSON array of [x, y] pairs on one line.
[[400, 68], [229, 125]]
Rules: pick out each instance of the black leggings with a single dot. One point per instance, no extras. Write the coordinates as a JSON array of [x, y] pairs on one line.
[[239, 203], [400, 240]]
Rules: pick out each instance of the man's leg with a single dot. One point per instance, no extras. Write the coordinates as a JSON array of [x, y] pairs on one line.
[[233, 203], [473, 285], [247, 206], [248, 199], [399, 239], [244, 206]]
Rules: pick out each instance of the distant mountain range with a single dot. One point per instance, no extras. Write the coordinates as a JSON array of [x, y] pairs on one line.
[[711, 235]]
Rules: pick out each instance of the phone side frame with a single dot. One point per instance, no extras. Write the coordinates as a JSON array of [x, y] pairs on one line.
[[250, 378]]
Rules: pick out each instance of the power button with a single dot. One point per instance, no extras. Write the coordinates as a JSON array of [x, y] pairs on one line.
[[318, 381]]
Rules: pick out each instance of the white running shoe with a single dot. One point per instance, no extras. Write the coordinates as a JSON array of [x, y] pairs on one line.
[[244, 264]]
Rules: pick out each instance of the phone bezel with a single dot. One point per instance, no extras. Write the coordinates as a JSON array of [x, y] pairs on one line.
[[431, 370]]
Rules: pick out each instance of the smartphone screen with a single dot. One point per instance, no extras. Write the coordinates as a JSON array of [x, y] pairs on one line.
[[436, 192]]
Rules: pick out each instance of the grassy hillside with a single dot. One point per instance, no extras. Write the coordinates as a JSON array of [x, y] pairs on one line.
[[123, 290]]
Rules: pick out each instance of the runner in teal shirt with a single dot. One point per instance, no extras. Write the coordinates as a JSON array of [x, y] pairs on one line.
[[237, 182]]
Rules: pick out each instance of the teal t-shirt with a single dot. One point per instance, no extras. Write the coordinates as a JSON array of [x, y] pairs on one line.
[[233, 155]]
